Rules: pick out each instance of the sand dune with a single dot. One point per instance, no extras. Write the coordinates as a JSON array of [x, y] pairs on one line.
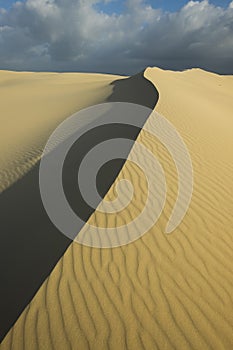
[[30, 244], [161, 291]]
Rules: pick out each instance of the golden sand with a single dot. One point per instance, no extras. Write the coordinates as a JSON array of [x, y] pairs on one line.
[[161, 291], [32, 105]]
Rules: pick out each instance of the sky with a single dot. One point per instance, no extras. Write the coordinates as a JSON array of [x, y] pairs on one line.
[[117, 6], [116, 36]]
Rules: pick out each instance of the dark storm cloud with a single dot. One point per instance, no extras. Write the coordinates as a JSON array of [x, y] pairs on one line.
[[73, 35]]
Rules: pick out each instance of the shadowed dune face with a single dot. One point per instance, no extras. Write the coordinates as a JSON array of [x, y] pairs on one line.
[[30, 244], [162, 291], [136, 89]]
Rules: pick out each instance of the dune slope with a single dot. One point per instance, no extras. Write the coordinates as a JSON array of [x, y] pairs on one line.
[[32, 105], [161, 291]]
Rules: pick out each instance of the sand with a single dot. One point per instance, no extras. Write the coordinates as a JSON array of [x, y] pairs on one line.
[[32, 105], [161, 291], [30, 244]]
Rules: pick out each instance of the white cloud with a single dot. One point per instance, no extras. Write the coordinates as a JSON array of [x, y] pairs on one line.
[[73, 35]]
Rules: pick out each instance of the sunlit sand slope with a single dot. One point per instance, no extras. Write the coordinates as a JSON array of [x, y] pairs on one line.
[[32, 105], [161, 291]]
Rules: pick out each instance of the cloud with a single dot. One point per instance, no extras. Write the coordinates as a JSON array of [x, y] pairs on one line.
[[72, 35]]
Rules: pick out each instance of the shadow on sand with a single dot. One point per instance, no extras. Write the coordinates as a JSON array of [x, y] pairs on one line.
[[135, 89], [30, 244]]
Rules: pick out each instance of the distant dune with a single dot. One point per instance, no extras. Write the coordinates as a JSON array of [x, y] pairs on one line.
[[161, 291]]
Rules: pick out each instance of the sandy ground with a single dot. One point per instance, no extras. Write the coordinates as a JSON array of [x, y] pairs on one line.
[[161, 291]]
